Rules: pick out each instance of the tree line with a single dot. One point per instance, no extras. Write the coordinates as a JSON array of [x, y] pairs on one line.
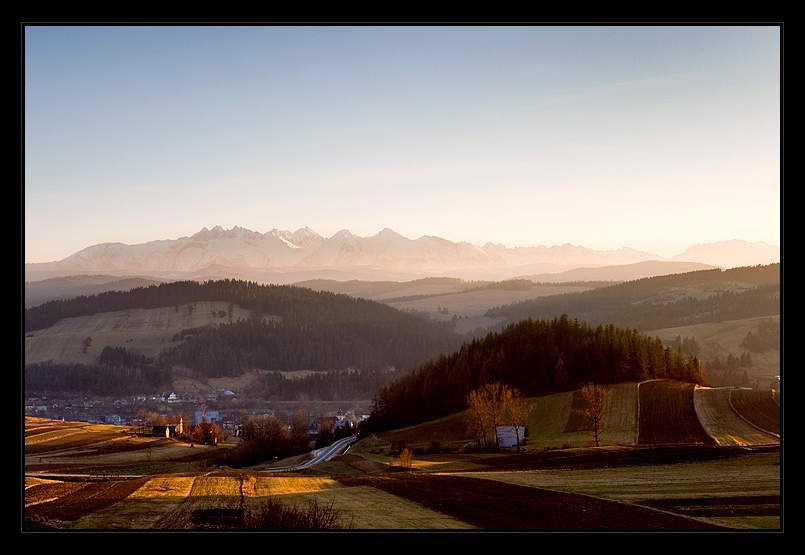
[[645, 304], [368, 342], [538, 357], [96, 379], [296, 305]]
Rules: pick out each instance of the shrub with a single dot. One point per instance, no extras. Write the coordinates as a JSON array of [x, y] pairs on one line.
[[274, 515], [406, 458]]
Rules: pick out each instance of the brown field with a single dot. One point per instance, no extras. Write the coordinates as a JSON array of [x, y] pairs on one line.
[[668, 414], [689, 471]]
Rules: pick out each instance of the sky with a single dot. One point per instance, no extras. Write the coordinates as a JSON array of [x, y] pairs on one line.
[[650, 137]]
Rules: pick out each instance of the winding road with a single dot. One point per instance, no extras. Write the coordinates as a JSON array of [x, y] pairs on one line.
[[321, 455]]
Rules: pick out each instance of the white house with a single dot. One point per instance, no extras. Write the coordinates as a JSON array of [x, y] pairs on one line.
[[507, 437]]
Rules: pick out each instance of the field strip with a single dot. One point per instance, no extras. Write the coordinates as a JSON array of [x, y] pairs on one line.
[[722, 422], [52, 436], [723, 477], [142, 509], [38, 501], [30, 481], [368, 508], [207, 492], [263, 486]]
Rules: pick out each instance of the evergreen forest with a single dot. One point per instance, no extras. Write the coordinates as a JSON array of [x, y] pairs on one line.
[[539, 357], [308, 330]]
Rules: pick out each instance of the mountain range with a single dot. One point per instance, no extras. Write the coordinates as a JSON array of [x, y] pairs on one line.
[[286, 257]]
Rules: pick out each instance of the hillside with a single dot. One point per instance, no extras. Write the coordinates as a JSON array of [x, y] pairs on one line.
[[224, 328], [134, 321], [646, 413], [724, 339], [537, 357], [663, 301]]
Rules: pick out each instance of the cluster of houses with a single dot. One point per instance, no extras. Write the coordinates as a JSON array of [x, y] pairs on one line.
[[205, 423]]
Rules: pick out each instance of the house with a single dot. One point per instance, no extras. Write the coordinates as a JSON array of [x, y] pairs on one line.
[[161, 431], [207, 433], [178, 424], [507, 436], [174, 426], [207, 416]]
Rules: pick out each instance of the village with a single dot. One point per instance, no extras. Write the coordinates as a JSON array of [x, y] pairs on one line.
[[172, 415]]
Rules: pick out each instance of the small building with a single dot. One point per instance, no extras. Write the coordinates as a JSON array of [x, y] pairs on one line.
[[178, 424], [160, 431], [174, 426], [208, 416], [507, 436], [207, 433]]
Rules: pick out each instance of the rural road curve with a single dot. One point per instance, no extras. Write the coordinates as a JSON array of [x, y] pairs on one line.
[[321, 455]]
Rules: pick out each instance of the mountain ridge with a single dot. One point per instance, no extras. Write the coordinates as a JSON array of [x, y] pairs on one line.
[[212, 251]]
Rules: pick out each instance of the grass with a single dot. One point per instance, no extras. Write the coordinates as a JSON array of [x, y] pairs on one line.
[[368, 508], [142, 509], [754, 475]]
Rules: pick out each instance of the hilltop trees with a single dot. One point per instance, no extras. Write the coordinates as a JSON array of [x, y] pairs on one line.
[[538, 357]]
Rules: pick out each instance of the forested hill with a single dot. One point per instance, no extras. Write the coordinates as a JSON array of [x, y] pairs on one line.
[[295, 305], [538, 357], [663, 301], [315, 330]]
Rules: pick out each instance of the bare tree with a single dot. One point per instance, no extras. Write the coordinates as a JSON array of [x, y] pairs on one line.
[[517, 410], [595, 407], [476, 417], [490, 406]]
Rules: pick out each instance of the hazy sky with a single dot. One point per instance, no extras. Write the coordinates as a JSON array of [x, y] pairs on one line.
[[655, 138]]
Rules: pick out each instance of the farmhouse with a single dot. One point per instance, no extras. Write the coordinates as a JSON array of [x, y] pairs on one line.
[[207, 416], [208, 433], [174, 426], [330, 424], [507, 436]]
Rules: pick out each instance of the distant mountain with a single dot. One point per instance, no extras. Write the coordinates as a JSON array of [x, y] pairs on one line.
[[730, 254], [285, 257]]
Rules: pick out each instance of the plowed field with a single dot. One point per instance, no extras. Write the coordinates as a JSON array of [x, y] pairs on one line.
[[667, 414]]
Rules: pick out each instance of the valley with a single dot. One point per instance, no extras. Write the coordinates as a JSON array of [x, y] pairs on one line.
[[673, 455]]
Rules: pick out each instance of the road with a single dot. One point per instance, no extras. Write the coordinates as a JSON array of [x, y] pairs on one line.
[[321, 455]]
